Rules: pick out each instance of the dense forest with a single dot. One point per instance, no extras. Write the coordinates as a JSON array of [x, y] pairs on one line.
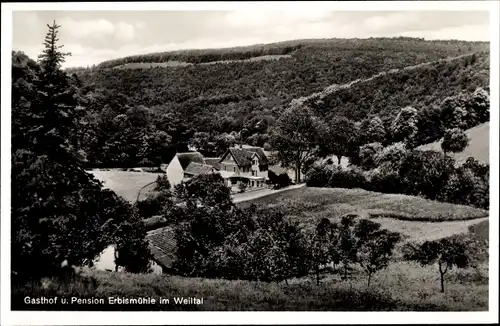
[[421, 87], [142, 116]]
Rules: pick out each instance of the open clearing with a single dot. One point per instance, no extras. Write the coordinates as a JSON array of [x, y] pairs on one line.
[[479, 145], [143, 65], [416, 218], [127, 184]]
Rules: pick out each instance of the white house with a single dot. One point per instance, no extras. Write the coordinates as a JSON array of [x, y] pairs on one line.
[[244, 164], [178, 165]]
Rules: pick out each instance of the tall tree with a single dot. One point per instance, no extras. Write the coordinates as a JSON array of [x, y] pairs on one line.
[[59, 212], [372, 130], [454, 140], [404, 126], [340, 137], [447, 252], [375, 246], [479, 105], [296, 137]]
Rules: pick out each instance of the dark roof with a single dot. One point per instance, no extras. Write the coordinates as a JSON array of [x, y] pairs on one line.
[[195, 168], [188, 157], [163, 246], [260, 152], [243, 156], [213, 161]]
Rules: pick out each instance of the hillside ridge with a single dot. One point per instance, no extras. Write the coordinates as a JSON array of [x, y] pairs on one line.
[[254, 50], [329, 90]]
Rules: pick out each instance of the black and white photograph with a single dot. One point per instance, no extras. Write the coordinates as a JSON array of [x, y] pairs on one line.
[[249, 157]]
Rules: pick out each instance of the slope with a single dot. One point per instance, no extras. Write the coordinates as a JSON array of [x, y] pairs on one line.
[[478, 148], [226, 97], [422, 85]]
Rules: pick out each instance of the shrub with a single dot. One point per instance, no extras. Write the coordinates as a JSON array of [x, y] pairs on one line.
[[279, 181], [454, 140], [392, 154], [319, 176], [385, 179], [242, 186], [347, 178], [424, 173], [468, 185], [367, 154], [152, 205]]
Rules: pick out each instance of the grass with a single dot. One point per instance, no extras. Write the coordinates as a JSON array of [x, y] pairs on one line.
[[126, 184], [334, 202], [478, 145], [414, 217], [142, 65], [401, 287]]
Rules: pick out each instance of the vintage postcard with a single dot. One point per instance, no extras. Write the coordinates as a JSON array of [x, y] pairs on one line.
[[271, 158]]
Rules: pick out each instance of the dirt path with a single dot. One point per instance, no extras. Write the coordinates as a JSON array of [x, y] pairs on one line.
[[335, 87], [423, 231], [238, 198]]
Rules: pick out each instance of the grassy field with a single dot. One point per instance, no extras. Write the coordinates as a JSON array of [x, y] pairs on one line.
[[317, 203], [143, 65], [126, 184], [415, 218], [402, 287], [479, 145]]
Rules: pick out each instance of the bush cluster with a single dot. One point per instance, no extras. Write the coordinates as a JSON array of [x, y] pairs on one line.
[[429, 174]]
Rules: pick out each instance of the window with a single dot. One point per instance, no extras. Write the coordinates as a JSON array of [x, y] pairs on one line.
[[252, 184], [225, 167], [234, 168]]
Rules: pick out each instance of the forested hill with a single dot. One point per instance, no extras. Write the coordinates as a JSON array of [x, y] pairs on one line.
[[299, 47], [242, 91]]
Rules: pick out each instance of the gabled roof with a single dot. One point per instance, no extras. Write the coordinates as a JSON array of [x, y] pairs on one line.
[[243, 156], [186, 158], [196, 168], [213, 161], [260, 152], [163, 246]]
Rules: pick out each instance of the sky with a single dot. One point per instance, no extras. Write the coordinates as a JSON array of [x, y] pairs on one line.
[[96, 36]]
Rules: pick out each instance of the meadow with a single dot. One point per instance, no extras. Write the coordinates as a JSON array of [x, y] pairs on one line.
[[402, 286], [478, 147], [309, 205], [127, 184]]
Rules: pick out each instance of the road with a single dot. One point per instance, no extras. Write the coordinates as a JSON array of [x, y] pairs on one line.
[[238, 198]]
